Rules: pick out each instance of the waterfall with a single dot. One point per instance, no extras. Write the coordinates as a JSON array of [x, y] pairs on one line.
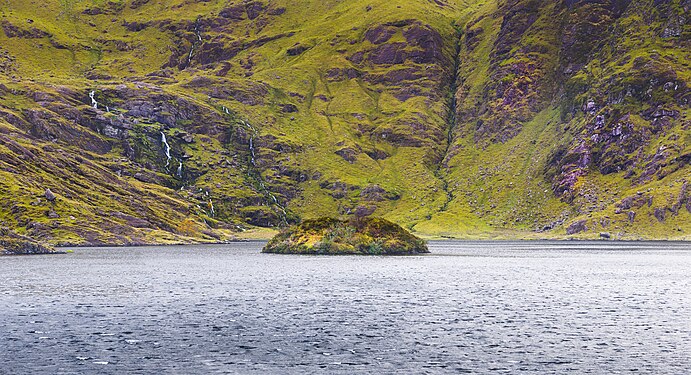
[[180, 170], [225, 110], [194, 45], [167, 148], [211, 207], [256, 174], [94, 103], [252, 151], [254, 132], [189, 57]]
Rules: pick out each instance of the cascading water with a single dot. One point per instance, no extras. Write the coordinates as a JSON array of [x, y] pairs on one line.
[[255, 174], [252, 150], [189, 57], [258, 175], [194, 45], [94, 103], [180, 170], [254, 131], [166, 146]]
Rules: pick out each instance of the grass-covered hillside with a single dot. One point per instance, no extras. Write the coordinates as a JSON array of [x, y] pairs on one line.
[[151, 121]]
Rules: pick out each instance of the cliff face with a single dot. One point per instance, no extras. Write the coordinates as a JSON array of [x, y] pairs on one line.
[[165, 121]]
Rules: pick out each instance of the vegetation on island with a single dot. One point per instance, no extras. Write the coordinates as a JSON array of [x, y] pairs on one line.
[[358, 236]]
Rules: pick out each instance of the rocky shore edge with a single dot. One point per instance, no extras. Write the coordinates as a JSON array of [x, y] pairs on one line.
[[14, 244]]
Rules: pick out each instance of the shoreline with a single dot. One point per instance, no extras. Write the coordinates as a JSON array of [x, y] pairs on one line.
[[577, 240], [57, 252], [81, 246], [65, 249]]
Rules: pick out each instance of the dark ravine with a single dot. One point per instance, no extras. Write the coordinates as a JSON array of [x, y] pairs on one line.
[[451, 120]]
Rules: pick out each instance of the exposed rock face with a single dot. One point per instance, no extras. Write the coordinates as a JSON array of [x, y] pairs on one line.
[[517, 86], [14, 31], [423, 44], [364, 236], [585, 23], [14, 244], [297, 50], [349, 154], [375, 193], [577, 227]]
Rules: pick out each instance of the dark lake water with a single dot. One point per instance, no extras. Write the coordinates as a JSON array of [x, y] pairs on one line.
[[470, 307]]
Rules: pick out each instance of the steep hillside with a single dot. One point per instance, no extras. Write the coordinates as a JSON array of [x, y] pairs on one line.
[[162, 121]]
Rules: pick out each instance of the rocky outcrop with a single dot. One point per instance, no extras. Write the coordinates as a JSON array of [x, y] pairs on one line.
[[363, 236], [577, 227], [14, 244], [297, 49], [375, 193], [14, 31], [423, 45]]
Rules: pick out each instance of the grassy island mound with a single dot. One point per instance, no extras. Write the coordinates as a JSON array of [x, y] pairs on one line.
[[363, 236], [15, 244]]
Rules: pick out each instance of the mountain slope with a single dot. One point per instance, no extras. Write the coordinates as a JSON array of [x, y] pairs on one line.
[[452, 118]]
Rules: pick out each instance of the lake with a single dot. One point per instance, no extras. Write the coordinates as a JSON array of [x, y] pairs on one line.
[[469, 307]]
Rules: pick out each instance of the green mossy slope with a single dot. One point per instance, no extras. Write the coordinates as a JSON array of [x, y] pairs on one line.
[[467, 119]]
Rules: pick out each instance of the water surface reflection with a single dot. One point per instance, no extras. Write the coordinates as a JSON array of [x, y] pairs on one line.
[[470, 307]]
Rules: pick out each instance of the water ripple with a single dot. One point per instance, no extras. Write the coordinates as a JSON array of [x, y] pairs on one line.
[[470, 307]]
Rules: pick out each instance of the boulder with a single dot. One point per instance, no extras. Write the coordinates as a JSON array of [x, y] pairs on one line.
[[577, 227], [297, 49], [50, 196], [289, 108]]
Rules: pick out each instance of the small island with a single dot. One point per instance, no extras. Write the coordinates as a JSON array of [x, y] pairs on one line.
[[358, 236], [12, 243]]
